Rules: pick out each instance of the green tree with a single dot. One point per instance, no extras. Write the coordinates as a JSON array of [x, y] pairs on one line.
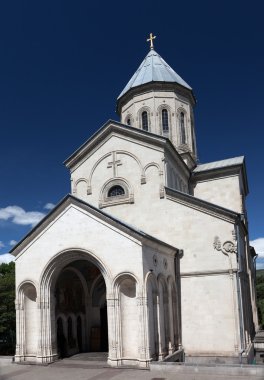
[[260, 297], [7, 309]]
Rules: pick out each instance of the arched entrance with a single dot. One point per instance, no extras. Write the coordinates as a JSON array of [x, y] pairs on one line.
[[80, 309]]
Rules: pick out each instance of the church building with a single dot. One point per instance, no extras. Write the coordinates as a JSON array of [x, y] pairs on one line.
[[149, 256]]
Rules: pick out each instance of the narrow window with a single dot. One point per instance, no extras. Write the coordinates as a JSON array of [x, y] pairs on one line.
[[144, 117], [182, 128], [116, 191], [165, 121], [128, 122]]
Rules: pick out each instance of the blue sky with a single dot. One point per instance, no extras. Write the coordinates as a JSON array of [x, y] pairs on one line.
[[64, 63]]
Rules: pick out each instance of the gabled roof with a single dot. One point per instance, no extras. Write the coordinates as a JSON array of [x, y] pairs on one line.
[[220, 164], [202, 205], [153, 69], [71, 200], [224, 167], [123, 129]]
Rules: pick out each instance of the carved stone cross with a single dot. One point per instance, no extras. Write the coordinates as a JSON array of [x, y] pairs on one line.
[[114, 164]]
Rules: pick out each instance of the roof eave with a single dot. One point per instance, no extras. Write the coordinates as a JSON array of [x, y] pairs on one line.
[[70, 199], [133, 90], [225, 169]]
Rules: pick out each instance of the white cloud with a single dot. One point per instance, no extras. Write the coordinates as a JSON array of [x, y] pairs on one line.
[[6, 258], [1, 244], [258, 244], [19, 216], [49, 206], [12, 242]]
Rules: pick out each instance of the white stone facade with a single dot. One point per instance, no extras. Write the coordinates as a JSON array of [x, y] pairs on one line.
[[185, 283], [139, 275], [154, 102]]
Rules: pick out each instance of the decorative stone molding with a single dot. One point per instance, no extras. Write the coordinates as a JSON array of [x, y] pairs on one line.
[[155, 260], [180, 253], [162, 192], [143, 180], [127, 197], [226, 248]]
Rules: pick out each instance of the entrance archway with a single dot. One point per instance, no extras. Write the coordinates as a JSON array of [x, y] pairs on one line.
[[80, 309]]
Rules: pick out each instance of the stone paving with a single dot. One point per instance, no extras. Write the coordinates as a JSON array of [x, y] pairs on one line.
[[77, 368]]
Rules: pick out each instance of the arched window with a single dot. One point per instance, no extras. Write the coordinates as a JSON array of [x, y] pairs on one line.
[[128, 121], [165, 121], [144, 118], [182, 128], [115, 191]]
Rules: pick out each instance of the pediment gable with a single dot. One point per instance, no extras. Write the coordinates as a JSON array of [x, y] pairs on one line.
[[70, 201], [113, 128]]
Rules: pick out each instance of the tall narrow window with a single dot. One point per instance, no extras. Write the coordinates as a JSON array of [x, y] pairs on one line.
[[144, 117], [128, 122], [165, 121], [182, 128]]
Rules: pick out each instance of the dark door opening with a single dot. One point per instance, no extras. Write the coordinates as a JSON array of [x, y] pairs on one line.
[[104, 329]]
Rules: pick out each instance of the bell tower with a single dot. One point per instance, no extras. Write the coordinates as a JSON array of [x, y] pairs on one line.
[[159, 101]]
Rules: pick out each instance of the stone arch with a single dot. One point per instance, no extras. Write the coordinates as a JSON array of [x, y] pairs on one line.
[[27, 320], [127, 197], [128, 321], [61, 259], [89, 186], [149, 165], [125, 153], [129, 117], [79, 180], [152, 164], [89, 182], [82, 279], [47, 346]]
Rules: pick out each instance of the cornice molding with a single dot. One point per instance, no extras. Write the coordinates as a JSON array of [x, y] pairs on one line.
[[116, 128], [155, 86], [227, 272]]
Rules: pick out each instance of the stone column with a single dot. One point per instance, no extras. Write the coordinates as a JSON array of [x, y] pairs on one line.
[[20, 330], [113, 317], [161, 329], [172, 325], [47, 348], [143, 329]]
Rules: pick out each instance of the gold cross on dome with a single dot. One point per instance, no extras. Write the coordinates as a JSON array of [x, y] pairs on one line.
[[151, 38]]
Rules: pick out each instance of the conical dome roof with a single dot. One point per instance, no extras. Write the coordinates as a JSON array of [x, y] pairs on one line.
[[154, 69]]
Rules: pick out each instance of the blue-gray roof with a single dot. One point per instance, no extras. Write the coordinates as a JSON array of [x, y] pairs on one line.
[[153, 69], [220, 164]]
